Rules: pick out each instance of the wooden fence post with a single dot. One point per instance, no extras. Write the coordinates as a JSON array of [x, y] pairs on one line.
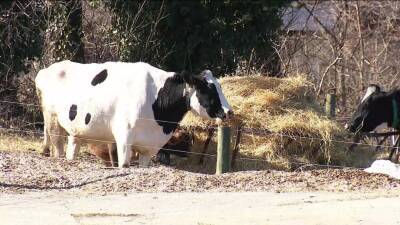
[[224, 142], [330, 105]]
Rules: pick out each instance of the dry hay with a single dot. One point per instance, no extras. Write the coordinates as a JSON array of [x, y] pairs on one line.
[[287, 108]]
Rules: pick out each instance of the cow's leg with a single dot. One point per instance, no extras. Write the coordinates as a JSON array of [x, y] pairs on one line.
[[57, 135], [73, 147], [46, 142], [58, 143], [124, 152], [395, 146], [46, 137], [101, 152], [124, 137], [112, 151], [58, 140], [145, 156], [144, 159]]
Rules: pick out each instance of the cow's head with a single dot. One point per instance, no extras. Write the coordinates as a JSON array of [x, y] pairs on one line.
[[206, 97], [375, 109]]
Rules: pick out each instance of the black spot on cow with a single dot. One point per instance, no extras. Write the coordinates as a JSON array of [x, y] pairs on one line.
[[73, 110], [87, 118], [100, 77]]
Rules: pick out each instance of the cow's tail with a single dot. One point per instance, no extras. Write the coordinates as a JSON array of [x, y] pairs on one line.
[[46, 136]]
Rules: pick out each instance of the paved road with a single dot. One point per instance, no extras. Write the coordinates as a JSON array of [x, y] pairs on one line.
[[50, 208]]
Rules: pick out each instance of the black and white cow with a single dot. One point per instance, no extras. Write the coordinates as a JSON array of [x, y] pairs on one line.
[[377, 108], [132, 104]]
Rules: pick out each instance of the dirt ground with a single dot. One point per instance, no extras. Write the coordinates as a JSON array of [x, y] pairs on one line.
[[41, 190], [29, 171]]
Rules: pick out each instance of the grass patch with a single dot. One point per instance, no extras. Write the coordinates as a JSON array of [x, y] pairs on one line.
[[25, 143], [16, 142]]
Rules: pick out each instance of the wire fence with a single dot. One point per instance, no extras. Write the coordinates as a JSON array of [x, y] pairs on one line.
[[89, 140], [243, 129], [338, 119]]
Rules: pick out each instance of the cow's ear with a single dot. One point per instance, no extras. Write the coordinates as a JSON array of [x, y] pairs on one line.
[[188, 78]]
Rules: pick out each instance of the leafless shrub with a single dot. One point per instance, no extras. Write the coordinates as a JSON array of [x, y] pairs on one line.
[[343, 45]]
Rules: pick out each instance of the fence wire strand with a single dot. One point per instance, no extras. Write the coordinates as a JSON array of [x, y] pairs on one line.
[[193, 153], [246, 130]]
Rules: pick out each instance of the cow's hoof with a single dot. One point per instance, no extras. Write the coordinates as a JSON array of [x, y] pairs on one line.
[[124, 166], [107, 164], [45, 154]]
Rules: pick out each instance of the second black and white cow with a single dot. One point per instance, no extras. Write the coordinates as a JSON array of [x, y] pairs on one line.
[[377, 108], [132, 104]]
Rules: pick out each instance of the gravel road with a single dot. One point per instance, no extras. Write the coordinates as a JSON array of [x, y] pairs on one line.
[[207, 208]]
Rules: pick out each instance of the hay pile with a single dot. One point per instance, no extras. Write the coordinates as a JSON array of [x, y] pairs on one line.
[[284, 106]]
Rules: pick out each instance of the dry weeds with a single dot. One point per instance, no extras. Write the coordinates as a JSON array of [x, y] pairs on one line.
[[286, 107], [14, 142]]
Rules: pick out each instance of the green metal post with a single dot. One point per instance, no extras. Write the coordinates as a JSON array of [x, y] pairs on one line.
[[224, 142], [330, 104]]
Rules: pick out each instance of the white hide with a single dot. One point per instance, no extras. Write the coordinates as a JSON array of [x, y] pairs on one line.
[[197, 109], [371, 89], [382, 126], [120, 107]]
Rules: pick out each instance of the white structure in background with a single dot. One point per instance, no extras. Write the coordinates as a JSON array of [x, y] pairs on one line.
[[385, 167]]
